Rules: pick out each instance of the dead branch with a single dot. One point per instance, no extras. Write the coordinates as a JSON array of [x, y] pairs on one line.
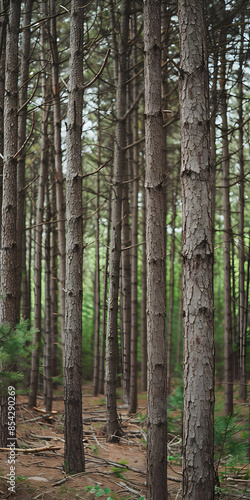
[[95, 171], [47, 438], [99, 72], [32, 450]]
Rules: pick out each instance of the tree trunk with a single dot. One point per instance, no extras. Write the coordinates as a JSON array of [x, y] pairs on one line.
[[171, 293], [53, 287], [155, 251], [143, 303], [47, 329], [119, 161], [74, 452], [125, 289], [39, 229], [8, 256], [242, 311], [178, 352], [104, 310], [228, 358], [197, 255], [97, 270], [22, 118], [134, 231], [2, 87], [60, 202]]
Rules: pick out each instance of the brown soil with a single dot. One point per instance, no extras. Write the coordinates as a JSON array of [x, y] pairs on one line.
[[40, 474]]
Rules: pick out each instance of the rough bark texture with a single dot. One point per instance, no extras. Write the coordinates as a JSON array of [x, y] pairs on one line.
[[119, 159], [8, 287], [104, 312], [155, 254], [97, 271], [9, 200], [2, 86], [143, 304], [47, 329], [22, 118], [60, 202], [53, 287], [74, 453], [197, 256], [34, 375], [134, 229], [227, 234], [125, 289], [242, 311], [171, 293]]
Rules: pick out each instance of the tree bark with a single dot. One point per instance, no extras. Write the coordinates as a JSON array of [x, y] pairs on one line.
[[104, 311], [97, 269], [119, 160], [134, 229], [143, 303], [22, 119], [34, 376], [227, 237], [197, 255], [125, 288], [155, 252], [53, 287], [242, 311], [8, 256], [74, 452], [171, 293], [2, 87], [60, 201], [47, 329]]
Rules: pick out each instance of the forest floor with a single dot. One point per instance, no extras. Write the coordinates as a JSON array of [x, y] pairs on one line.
[[115, 471]]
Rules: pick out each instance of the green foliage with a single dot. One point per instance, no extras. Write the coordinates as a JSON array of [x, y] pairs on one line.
[[95, 450], [141, 417], [175, 459], [175, 406], [14, 350], [118, 471], [99, 492], [175, 400], [227, 431]]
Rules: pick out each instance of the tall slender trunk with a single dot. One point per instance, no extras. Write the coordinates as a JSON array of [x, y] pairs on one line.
[[60, 201], [242, 311], [155, 250], [22, 119], [2, 87], [125, 287], [134, 231], [97, 270], [47, 329], [104, 310], [228, 372], [119, 161], [8, 255], [171, 292], [178, 351], [74, 452], [143, 303], [39, 229], [197, 255], [53, 286]]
